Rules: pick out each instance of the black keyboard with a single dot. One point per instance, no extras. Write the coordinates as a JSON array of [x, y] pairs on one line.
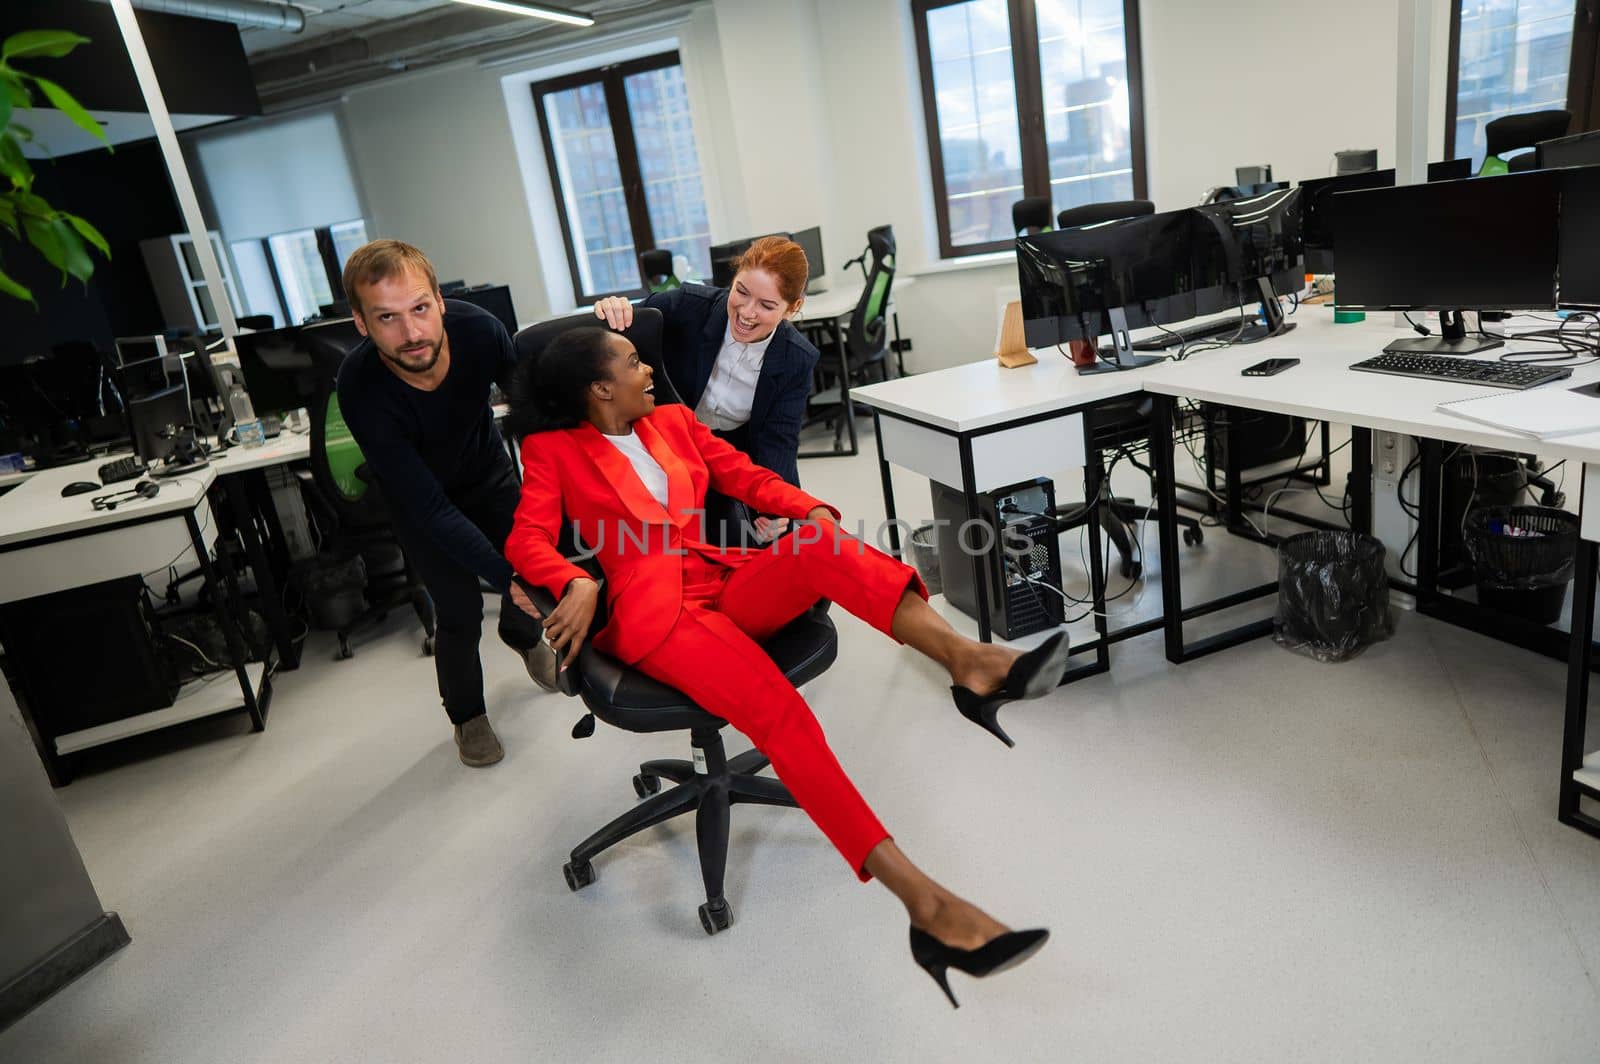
[[122, 469], [1464, 370]]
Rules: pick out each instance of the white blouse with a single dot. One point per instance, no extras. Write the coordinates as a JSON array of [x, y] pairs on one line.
[[731, 391]]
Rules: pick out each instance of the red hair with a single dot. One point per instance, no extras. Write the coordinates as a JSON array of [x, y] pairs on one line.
[[782, 258]]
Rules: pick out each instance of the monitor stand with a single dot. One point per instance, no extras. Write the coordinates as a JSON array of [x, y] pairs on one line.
[[1121, 349], [1452, 340], [1272, 310]]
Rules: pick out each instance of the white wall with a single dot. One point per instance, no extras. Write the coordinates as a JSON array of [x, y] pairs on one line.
[[815, 116]]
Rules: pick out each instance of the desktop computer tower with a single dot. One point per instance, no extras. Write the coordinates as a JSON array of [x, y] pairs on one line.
[[87, 656], [1016, 541], [1262, 438]]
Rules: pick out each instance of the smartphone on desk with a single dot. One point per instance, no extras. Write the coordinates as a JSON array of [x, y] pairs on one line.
[[1269, 367]]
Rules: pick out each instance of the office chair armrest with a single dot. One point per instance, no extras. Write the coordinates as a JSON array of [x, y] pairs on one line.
[[569, 680]]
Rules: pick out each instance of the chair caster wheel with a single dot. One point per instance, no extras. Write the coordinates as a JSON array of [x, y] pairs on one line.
[[344, 649], [1193, 537], [578, 876], [644, 786], [716, 916], [427, 646]]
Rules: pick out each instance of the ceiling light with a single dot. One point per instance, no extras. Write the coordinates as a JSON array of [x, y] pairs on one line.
[[533, 10]]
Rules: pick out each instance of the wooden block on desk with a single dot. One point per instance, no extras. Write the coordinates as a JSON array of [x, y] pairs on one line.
[[1012, 347]]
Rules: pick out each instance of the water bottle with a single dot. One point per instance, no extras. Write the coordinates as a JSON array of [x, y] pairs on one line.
[[246, 426]]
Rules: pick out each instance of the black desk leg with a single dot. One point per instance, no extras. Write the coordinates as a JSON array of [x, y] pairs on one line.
[[1577, 715], [884, 474], [899, 352], [845, 401], [1161, 444], [1233, 470], [271, 600], [965, 540], [1095, 475], [225, 598], [1361, 480], [1428, 500]]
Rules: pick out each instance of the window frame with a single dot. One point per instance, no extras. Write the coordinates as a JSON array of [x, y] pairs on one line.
[[1029, 87], [332, 268], [1583, 65], [612, 78]]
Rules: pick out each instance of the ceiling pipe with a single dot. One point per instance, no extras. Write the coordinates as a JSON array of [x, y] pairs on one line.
[[259, 13]]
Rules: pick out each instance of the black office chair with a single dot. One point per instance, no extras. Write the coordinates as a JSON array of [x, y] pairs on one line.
[[655, 266], [710, 782], [254, 321], [1031, 214], [866, 337], [1115, 426], [349, 503], [1511, 132]]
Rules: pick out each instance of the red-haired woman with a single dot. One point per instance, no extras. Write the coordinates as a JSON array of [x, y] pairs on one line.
[[736, 359]]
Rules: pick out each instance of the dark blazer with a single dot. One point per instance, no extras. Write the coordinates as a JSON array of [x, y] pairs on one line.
[[696, 324]]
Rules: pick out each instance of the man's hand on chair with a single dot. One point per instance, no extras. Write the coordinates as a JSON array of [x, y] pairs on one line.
[[568, 624], [524, 603]]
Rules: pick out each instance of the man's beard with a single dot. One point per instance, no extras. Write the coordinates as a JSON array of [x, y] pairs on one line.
[[413, 367]]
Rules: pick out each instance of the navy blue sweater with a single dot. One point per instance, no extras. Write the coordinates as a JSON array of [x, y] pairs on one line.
[[426, 446]]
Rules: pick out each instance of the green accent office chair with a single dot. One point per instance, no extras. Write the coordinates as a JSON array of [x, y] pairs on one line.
[[1031, 214], [655, 266], [1513, 132], [866, 341]]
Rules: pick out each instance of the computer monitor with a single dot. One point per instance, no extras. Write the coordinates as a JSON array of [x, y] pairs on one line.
[[328, 342], [1248, 250], [1487, 244], [157, 422], [810, 241], [1450, 170], [496, 299], [723, 256], [1104, 279], [1582, 149], [450, 288], [278, 371], [1233, 192], [1316, 232]]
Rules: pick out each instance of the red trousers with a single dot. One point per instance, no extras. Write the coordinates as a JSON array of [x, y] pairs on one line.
[[712, 655]]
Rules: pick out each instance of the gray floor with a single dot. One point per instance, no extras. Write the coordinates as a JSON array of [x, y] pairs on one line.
[[1254, 857]]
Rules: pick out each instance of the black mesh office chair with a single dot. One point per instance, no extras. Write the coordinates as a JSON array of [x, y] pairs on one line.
[[655, 266], [1031, 214], [1511, 132], [1115, 426], [866, 338], [710, 782], [350, 504]]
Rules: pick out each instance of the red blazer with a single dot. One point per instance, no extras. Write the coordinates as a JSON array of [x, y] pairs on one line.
[[577, 474]]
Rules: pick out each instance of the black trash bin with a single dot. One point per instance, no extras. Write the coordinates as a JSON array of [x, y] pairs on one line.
[[1522, 558], [1333, 594]]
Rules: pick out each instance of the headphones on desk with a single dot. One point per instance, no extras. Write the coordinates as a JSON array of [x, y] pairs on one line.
[[145, 489]]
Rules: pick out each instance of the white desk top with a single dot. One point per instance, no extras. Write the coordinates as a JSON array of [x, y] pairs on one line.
[[981, 394], [1323, 387], [36, 509], [843, 296], [287, 446]]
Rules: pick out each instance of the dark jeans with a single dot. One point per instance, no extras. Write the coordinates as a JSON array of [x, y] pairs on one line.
[[458, 597]]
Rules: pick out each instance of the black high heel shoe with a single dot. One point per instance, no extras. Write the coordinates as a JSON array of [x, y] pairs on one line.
[[1035, 673], [996, 955]]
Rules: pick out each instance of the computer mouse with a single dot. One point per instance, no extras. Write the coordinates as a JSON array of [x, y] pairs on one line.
[[80, 487]]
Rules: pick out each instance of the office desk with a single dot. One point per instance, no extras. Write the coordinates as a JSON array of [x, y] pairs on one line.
[[980, 427], [1324, 387], [49, 543], [828, 312]]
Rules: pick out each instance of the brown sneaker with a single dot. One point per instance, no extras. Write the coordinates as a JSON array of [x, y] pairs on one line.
[[542, 664], [478, 743]]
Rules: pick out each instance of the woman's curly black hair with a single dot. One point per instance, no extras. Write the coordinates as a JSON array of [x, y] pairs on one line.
[[549, 389]]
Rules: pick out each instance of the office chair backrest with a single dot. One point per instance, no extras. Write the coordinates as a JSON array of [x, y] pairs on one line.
[[1520, 131], [656, 267], [338, 468], [1109, 211], [868, 330], [1031, 213], [645, 333]]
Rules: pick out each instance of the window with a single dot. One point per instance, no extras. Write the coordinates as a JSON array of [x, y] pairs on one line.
[[622, 156], [294, 275], [1027, 98], [1507, 57]]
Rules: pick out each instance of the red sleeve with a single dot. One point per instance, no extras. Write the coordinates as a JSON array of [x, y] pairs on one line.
[[531, 547], [733, 474]]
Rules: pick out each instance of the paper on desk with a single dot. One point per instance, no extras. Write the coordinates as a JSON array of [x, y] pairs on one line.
[[1537, 413]]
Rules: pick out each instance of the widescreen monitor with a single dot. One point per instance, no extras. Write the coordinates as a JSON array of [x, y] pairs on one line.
[[495, 298], [1248, 251], [278, 371]]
